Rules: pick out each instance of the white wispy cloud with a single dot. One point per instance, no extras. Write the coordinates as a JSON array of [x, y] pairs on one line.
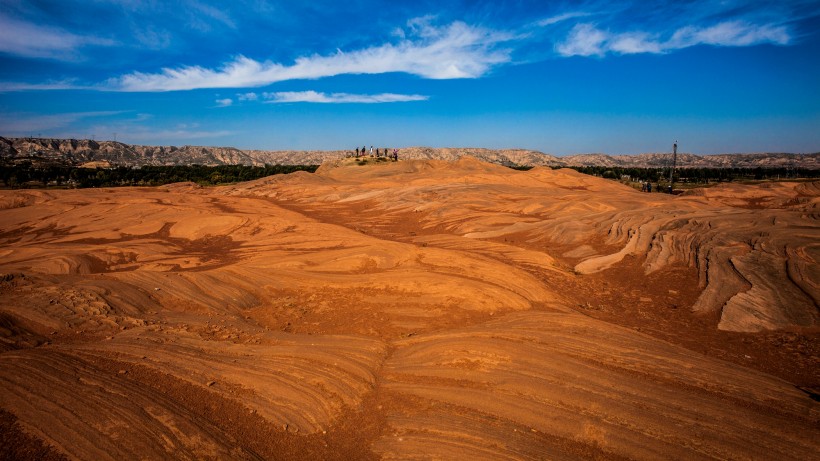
[[247, 97], [588, 40], [583, 40], [730, 33], [224, 102], [327, 98], [421, 47], [634, 42], [207, 14], [27, 124], [561, 18], [35, 41], [454, 51], [57, 85], [174, 135]]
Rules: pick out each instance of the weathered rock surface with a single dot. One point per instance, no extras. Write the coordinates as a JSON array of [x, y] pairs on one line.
[[412, 309]]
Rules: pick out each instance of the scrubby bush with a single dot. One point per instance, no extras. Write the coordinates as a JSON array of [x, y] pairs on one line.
[[26, 175]]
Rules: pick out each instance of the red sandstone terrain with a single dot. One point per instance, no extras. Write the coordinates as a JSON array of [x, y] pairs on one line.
[[410, 310]]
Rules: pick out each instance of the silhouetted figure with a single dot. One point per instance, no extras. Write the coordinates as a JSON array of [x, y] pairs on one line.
[[649, 187], [357, 152]]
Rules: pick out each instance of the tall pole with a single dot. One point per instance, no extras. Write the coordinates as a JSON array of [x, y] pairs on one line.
[[674, 162]]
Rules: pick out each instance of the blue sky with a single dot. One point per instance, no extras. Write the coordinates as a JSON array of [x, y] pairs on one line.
[[562, 77]]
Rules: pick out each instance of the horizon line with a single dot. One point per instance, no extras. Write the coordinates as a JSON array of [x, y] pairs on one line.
[[413, 147]]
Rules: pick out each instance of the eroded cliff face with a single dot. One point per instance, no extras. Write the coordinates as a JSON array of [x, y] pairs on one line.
[[77, 152]]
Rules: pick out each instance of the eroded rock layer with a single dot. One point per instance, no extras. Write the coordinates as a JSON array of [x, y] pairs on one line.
[[415, 309]]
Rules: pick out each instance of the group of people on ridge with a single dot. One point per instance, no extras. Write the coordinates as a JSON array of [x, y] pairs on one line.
[[363, 152]]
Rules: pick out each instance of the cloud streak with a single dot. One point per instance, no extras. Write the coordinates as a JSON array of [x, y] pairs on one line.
[[561, 18], [422, 47], [339, 98], [59, 85], [177, 135], [24, 124], [454, 51], [35, 41], [588, 40]]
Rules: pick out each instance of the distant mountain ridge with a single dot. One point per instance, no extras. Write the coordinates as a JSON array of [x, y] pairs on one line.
[[111, 153]]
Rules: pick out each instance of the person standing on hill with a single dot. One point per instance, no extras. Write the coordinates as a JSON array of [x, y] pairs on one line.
[[371, 151], [357, 151]]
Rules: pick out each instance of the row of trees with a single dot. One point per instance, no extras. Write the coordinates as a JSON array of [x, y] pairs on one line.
[[27, 175], [698, 175]]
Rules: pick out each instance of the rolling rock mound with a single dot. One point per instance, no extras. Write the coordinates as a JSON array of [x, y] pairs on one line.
[[412, 309], [755, 248]]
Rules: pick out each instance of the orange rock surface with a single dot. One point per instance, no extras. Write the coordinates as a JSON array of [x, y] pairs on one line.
[[410, 310]]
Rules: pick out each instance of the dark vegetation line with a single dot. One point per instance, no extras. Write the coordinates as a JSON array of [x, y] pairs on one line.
[[698, 175], [691, 175], [29, 176]]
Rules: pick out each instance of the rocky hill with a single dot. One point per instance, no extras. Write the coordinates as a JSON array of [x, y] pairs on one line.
[[112, 153]]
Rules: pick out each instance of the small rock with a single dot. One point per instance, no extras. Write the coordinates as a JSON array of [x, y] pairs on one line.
[[210, 383], [122, 372], [156, 289]]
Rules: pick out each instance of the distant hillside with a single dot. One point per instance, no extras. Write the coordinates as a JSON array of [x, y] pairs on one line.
[[110, 153]]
